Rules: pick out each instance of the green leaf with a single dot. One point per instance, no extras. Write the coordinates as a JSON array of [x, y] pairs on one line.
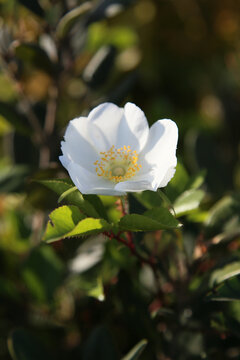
[[225, 283], [24, 346], [136, 351], [149, 199], [196, 181], [60, 186], [97, 204], [156, 219], [62, 221], [228, 290], [224, 273], [188, 201], [68, 221], [221, 213], [67, 192], [69, 19]]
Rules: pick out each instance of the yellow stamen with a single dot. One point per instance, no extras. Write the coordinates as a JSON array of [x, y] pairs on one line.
[[117, 164]]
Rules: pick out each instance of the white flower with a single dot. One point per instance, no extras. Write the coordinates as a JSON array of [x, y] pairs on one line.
[[113, 151]]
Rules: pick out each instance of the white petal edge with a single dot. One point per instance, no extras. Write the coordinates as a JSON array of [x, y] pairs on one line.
[[137, 124], [111, 125], [77, 148], [104, 122], [159, 154]]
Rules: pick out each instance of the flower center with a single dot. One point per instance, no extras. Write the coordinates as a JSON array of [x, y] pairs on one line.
[[118, 164]]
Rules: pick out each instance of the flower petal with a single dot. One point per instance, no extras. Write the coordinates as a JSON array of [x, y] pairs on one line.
[[118, 127], [77, 148], [105, 121], [134, 186], [89, 183], [159, 154], [138, 126], [169, 175]]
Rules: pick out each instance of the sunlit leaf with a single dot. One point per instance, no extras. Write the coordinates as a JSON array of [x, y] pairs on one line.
[[68, 221], [188, 201], [136, 351]]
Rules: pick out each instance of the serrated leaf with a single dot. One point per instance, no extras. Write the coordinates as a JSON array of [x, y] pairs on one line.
[[68, 221], [90, 226], [155, 219], [62, 221], [24, 346], [136, 351], [69, 19], [62, 185], [188, 202]]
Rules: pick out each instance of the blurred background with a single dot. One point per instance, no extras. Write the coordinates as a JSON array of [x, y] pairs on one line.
[[174, 59]]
